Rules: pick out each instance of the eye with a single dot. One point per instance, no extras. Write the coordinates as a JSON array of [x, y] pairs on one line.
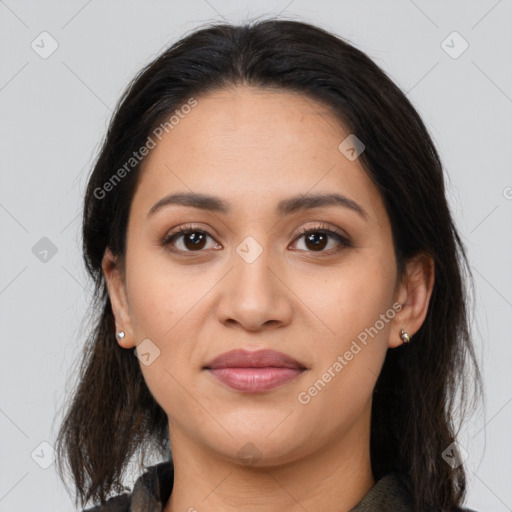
[[316, 239], [192, 239]]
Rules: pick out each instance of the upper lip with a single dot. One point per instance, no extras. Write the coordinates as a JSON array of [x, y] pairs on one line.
[[259, 359]]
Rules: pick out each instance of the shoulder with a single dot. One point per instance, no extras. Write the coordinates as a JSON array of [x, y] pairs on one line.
[[388, 494], [120, 503], [150, 492], [391, 493]]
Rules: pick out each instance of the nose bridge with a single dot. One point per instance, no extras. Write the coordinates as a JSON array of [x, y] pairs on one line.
[[254, 294], [254, 275]]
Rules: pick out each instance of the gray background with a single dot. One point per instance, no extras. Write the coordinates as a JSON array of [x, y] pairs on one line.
[[54, 113]]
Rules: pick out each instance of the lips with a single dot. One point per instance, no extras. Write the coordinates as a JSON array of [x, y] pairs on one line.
[[259, 359], [254, 372]]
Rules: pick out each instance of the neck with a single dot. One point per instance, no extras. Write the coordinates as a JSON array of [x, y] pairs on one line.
[[335, 477]]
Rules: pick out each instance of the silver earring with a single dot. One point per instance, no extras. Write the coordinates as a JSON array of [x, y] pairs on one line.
[[120, 335], [405, 336]]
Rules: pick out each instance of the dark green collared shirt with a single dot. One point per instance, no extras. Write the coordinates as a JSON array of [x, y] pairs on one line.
[[152, 489]]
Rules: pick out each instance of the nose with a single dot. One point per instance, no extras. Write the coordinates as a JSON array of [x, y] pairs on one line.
[[254, 295]]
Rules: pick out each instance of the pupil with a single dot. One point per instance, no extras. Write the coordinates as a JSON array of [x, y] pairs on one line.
[[317, 240], [196, 239], [313, 238]]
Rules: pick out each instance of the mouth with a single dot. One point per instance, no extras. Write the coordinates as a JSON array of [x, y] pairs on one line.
[[254, 372]]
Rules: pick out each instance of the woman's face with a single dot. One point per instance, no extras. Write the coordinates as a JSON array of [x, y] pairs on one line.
[[247, 278]]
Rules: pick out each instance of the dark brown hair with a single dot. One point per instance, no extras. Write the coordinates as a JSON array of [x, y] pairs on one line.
[[422, 385]]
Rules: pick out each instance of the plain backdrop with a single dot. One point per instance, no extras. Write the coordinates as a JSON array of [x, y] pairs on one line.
[[57, 91]]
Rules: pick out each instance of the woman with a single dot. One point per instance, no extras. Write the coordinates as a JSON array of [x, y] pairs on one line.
[[269, 235]]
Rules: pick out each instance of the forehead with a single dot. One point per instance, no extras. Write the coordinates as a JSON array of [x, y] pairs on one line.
[[254, 146], [273, 123]]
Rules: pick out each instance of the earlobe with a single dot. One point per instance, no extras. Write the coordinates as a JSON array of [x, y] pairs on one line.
[[414, 295], [118, 300]]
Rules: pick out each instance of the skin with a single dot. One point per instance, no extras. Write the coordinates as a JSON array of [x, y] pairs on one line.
[[253, 148]]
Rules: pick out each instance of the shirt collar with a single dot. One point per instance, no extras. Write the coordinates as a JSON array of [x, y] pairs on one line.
[[153, 488]]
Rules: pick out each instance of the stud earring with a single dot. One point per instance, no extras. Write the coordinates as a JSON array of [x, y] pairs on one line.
[[405, 336], [120, 335]]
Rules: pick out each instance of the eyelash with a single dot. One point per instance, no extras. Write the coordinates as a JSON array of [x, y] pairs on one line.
[[322, 228]]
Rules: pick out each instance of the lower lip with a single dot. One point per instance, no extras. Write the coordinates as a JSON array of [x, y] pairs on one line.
[[254, 380]]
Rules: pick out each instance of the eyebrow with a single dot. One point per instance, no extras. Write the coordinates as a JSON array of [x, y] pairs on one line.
[[285, 207]]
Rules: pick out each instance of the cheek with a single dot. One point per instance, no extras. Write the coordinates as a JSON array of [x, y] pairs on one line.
[[158, 295], [349, 361], [163, 308], [353, 297], [357, 308], [160, 312]]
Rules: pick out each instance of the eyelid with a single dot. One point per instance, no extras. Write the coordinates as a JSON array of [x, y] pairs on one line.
[[318, 227], [322, 226], [183, 230]]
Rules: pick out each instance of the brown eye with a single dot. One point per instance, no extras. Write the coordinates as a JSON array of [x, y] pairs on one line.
[[317, 239], [187, 240], [194, 240]]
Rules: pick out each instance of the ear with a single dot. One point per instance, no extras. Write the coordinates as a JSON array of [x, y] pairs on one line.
[[413, 293], [118, 299]]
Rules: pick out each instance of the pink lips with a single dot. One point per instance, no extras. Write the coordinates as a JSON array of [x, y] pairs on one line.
[[254, 372]]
